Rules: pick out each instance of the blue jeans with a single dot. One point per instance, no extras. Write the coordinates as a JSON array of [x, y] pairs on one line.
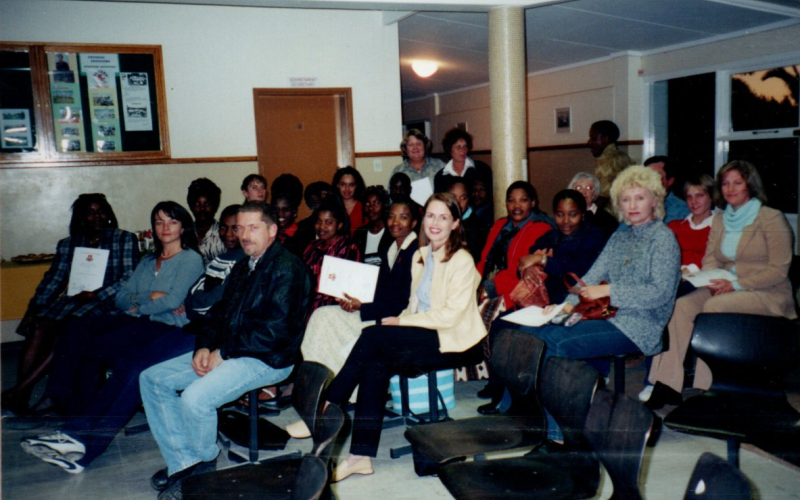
[[584, 340], [185, 425]]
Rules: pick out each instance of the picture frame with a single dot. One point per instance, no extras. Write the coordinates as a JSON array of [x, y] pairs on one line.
[[563, 120]]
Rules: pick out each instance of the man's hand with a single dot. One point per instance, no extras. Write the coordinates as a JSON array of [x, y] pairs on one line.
[[85, 297], [391, 321], [204, 361]]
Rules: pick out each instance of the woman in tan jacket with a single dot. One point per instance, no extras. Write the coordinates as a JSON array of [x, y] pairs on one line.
[[752, 241], [440, 328]]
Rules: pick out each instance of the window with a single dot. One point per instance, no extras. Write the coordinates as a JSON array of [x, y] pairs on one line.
[[81, 104]]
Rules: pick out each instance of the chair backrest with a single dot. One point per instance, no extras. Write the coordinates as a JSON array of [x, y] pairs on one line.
[[515, 358], [747, 352], [566, 389], [311, 479], [617, 428], [307, 394], [716, 479], [328, 426]]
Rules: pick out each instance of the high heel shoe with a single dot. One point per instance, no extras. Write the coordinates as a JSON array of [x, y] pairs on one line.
[[342, 471], [298, 430], [663, 395], [489, 408]]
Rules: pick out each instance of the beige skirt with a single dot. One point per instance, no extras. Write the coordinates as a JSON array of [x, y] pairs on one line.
[[330, 335]]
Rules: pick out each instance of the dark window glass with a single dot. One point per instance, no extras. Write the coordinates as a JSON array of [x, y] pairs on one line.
[[766, 99], [17, 121]]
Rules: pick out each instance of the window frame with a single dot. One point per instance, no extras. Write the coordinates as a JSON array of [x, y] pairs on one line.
[[47, 153]]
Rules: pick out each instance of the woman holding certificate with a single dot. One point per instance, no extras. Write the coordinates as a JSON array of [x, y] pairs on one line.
[[752, 241], [440, 328], [93, 226], [333, 239], [96, 406]]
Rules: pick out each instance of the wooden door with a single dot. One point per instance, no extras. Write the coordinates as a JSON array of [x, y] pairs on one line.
[[304, 132]]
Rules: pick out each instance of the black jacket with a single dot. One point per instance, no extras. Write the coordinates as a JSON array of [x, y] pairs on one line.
[[262, 314], [394, 286]]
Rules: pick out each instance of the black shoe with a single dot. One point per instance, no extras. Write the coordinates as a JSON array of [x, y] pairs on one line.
[[486, 392], [489, 409], [159, 480], [663, 395]]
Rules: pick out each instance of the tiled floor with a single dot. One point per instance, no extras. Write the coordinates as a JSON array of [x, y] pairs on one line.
[[123, 472]]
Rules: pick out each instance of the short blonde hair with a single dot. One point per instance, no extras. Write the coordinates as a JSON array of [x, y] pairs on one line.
[[643, 177]]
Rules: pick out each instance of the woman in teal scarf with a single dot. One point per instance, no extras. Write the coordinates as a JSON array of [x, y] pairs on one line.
[[754, 243]]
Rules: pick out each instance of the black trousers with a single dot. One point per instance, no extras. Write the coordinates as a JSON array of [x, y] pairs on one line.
[[380, 353]]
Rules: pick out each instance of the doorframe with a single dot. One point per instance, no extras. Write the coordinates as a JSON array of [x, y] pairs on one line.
[[345, 136]]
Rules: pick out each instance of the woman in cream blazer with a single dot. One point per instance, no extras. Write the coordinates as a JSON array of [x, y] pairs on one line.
[[752, 241], [441, 328]]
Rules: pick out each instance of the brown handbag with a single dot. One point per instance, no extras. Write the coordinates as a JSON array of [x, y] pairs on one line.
[[592, 309], [526, 294]]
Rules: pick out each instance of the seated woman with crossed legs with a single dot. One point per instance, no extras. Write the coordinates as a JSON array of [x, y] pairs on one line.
[[440, 328]]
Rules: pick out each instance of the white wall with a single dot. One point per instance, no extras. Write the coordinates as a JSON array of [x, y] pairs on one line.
[[213, 58]]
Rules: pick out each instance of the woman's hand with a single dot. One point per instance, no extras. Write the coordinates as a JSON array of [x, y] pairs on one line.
[[595, 292], [527, 261], [529, 276], [391, 321], [180, 311], [548, 309], [350, 304], [157, 295], [720, 286]]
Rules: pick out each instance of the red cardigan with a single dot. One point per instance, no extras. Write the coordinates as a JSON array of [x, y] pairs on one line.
[[505, 281], [692, 241]]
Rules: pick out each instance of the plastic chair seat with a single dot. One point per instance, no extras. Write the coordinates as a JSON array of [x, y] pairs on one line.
[[246, 483], [540, 477]]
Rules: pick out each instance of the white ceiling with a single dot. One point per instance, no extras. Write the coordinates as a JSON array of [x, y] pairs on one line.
[[574, 32], [558, 32]]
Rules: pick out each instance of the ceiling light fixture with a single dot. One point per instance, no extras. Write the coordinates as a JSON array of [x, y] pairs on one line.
[[424, 69]]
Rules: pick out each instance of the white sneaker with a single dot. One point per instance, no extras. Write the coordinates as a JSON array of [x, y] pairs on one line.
[[69, 465], [51, 445], [646, 392]]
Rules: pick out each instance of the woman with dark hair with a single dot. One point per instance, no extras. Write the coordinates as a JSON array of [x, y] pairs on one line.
[[289, 234], [96, 406], [754, 243], [573, 248], [458, 143], [254, 188], [440, 328], [417, 162], [509, 240], [93, 225], [332, 331], [372, 238], [203, 198], [350, 187], [333, 239]]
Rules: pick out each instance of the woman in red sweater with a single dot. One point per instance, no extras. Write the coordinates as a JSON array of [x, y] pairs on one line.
[[510, 239], [692, 232]]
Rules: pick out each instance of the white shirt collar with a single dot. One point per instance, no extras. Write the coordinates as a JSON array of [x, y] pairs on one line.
[[394, 251], [448, 169], [706, 222]]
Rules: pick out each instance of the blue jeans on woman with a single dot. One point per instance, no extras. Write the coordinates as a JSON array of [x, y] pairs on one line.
[[185, 425], [584, 340]]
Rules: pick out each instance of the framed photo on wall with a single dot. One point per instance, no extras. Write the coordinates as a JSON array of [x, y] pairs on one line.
[[563, 120]]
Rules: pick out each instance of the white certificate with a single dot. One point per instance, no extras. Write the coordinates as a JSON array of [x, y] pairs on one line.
[[533, 315], [88, 270], [421, 190], [703, 278], [340, 276]]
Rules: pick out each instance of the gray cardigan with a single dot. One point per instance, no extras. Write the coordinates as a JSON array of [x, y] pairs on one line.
[[175, 278], [643, 268]]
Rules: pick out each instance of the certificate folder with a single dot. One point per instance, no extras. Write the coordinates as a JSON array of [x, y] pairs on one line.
[[340, 276]]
